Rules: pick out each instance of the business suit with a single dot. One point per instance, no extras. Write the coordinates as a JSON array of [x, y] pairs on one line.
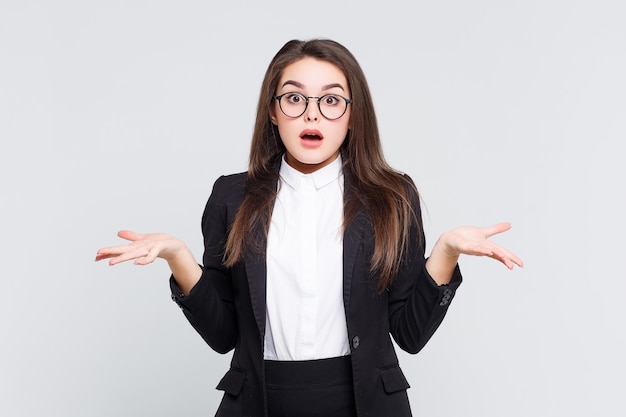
[[227, 308]]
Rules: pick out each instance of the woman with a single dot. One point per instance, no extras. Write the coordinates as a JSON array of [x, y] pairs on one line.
[[314, 257]]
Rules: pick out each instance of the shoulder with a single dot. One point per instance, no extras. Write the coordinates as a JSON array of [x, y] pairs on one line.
[[408, 180], [412, 197], [229, 189], [229, 180], [409, 188]]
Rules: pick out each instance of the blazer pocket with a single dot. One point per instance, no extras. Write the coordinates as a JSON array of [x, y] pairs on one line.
[[232, 382], [393, 379]]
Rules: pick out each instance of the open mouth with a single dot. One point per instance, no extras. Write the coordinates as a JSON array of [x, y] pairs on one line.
[[311, 135]]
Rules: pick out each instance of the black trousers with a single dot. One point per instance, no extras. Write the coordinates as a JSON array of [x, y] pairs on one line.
[[316, 388]]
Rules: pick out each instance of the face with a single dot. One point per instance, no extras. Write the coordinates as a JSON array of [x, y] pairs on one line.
[[312, 141]]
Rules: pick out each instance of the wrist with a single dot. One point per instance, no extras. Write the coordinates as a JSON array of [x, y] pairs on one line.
[[441, 262], [443, 248], [176, 251]]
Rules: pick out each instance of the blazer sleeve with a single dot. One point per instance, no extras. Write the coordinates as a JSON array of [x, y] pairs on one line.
[[209, 307], [417, 305]]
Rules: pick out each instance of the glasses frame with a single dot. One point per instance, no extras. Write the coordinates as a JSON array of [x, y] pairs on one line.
[[319, 107]]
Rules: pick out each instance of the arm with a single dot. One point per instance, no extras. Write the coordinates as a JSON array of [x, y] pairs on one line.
[[204, 293], [421, 293], [209, 305]]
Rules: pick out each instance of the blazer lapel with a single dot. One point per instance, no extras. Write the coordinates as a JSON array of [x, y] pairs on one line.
[[352, 238], [256, 271]]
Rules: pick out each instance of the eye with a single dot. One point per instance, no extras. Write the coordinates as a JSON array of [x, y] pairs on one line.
[[330, 100], [294, 98]]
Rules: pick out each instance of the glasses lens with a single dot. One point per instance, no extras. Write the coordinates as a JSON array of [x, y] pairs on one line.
[[332, 106], [293, 104]]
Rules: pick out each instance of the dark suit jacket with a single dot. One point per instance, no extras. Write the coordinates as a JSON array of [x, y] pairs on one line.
[[227, 308]]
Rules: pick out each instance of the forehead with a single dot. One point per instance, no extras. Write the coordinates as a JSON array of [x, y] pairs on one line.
[[313, 73]]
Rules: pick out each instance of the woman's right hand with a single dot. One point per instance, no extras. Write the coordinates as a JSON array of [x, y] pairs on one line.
[[145, 248], [142, 248]]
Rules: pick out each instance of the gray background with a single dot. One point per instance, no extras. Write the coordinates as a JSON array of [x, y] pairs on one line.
[[121, 114]]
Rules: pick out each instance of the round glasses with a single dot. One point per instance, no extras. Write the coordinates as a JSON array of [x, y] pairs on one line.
[[332, 106]]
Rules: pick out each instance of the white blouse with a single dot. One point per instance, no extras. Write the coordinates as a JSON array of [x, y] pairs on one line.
[[305, 314]]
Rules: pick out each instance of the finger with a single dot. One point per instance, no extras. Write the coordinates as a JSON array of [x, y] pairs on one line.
[[500, 257], [129, 235], [115, 250], [105, 253], [513, 258], [508, 258], [101, 256], [517, 261], [507, 262], [149, 258], [128, 256], [497, 228], [477, 248]]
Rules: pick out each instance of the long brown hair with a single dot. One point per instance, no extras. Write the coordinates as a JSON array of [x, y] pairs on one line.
[[384, 193]]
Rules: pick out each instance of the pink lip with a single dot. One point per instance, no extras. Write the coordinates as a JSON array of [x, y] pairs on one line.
[[311, 134]]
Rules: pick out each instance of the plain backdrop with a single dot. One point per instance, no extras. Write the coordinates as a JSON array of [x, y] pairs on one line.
[[121, 114]]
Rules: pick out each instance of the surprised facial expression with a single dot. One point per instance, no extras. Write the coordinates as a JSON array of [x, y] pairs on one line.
[[312, 140]]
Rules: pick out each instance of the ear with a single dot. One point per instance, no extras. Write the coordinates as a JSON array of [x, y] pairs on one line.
[[273, 116]]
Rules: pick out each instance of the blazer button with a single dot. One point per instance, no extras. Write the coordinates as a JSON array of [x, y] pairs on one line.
[[447, 294], [176, 301], [445, 300], [356, 341]]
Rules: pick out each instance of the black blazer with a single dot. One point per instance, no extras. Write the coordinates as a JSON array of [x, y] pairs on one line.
[[227, 308]]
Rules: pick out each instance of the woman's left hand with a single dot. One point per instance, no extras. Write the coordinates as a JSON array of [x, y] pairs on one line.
[[475, 241]]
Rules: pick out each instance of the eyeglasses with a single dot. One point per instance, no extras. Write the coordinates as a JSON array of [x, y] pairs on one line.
[[332, 106]]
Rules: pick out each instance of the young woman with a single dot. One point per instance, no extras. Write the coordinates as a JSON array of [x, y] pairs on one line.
[[314, 257]]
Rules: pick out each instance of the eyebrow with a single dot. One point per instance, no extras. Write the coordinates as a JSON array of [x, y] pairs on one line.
[[324, 87]]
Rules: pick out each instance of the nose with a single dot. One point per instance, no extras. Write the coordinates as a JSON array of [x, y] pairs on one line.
[[312, 113]]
